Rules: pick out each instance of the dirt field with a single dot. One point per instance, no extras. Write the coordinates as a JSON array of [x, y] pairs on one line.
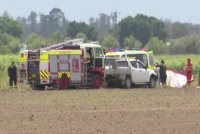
[[112, 111]]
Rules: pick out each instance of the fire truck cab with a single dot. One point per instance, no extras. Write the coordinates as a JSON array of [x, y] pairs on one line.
[[94, 62]]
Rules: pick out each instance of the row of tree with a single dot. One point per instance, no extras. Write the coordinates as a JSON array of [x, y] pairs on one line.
[[10, 34], [162, 36]]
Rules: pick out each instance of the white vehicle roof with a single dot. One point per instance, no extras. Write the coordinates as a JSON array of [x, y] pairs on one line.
[[134, 52], [83, 45], [127, 59]]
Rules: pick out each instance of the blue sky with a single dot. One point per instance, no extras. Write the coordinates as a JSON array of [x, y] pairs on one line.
[[82, 10]]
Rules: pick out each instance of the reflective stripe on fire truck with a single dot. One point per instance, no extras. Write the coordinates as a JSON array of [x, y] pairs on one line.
[[61, 73], [44, 74], [69, 52], [44, 56]]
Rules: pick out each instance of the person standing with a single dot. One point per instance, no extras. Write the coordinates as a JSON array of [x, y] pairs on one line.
[[157, 70], [162, 71], [12, 74], [189, 71]]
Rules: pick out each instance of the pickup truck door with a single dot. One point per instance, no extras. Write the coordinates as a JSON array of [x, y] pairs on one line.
[[143, 74], [135, 72]]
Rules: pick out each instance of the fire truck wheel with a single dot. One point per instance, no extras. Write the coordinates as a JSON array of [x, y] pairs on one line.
[[64, 82], [97, 81]]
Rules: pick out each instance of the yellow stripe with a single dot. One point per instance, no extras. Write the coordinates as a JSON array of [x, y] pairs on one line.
[[72, 52], [48, 74], [62, 73], [68, 74], [44, 74], [59, 74]]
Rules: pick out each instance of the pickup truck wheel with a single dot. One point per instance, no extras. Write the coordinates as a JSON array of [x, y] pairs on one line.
[[128, 82], [152, 82]]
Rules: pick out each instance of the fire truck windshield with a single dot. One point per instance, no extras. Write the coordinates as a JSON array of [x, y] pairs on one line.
[[98, 52], [33, 55]]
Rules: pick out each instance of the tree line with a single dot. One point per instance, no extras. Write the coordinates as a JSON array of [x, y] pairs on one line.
[[162, 36]]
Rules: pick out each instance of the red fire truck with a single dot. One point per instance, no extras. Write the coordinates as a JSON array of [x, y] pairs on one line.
[[66, 65]]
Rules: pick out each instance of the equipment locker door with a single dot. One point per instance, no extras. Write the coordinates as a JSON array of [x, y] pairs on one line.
[[76, 68], [53, 65], [33, 71], [64, 63]]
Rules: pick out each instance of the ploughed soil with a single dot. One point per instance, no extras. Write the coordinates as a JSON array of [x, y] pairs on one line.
[[103, 111]]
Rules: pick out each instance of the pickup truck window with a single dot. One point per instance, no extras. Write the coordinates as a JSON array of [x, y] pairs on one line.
[[141, 65], [134, 64], [151, 58], [141, 57], [98, 52], [122, 64], [123, 56]]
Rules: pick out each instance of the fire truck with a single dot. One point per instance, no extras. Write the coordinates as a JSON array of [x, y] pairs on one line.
[[66, 65]]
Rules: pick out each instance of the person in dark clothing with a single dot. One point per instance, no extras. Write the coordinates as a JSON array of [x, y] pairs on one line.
[[12, 74], [162, 71]]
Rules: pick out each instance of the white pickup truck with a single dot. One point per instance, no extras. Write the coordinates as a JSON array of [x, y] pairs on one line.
[[128, 72]]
